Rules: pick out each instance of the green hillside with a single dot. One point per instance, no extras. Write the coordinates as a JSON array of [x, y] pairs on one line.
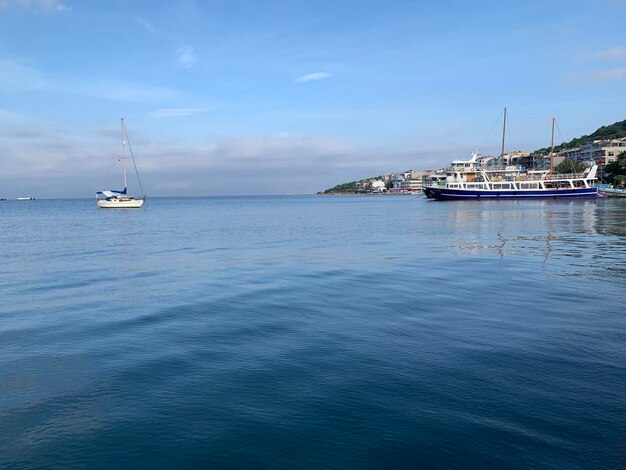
[[614, 131], [343, 188]]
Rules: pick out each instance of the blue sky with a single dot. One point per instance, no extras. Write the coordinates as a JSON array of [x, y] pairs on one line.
[[283, 97]]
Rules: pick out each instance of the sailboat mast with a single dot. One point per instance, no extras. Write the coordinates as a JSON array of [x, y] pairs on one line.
[[503, 134], [124, 152], [552, 146]]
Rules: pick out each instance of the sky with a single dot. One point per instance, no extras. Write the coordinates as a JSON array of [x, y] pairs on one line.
[[291, 97]]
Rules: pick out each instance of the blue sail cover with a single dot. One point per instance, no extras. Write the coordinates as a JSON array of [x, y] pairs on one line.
[[112, 193]]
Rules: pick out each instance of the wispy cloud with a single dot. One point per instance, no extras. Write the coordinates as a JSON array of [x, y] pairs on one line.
[[56, 162], [20, 77], [147, 25], [312, 77], [125, 91], [40, 6], [186, 57], [614, 53], [175, 112], [600, 75]]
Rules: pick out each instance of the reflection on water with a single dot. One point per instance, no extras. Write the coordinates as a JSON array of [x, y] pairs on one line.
[[322, 332], [593, 231]]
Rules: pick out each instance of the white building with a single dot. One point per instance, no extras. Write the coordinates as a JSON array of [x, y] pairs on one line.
[[410, 180], [410, 185], [378, 186]]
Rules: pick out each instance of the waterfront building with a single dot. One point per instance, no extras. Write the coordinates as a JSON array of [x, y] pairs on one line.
[[596, 150], [409, 181], [371, 186], [410, 185], [378, 186]]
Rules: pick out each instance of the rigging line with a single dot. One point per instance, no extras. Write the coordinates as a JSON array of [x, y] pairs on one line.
[[565, 147], [491, 131], [562, 139], [134, 163], [508, 129]]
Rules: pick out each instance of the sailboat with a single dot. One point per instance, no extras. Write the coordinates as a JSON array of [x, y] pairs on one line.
[[120, 199]]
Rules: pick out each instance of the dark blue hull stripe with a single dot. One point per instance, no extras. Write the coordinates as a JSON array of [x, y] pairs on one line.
[[447, 194]]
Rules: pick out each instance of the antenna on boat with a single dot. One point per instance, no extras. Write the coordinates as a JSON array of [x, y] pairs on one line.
[[552, 146], [503, 134]]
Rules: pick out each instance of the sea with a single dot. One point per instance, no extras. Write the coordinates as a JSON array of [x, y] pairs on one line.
[[330, 332]]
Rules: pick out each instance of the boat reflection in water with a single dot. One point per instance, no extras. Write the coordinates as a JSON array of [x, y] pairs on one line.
[[567, 237]]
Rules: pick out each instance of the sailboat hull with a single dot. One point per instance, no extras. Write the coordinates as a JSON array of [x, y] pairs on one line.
[[120, 203]]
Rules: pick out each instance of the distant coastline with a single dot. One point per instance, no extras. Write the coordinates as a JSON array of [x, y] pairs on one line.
[[607, 146]]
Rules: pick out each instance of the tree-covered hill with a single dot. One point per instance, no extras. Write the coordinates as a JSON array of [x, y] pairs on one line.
[[614, 131], [343, 188]]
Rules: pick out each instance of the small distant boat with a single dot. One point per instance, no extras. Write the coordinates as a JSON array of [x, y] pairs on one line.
[[612, 192], [113, 199], [27, 198]]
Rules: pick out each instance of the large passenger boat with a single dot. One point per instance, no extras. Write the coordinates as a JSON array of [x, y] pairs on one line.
[[468, 179]]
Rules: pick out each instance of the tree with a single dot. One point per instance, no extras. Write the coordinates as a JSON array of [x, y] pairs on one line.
[[616, 171]]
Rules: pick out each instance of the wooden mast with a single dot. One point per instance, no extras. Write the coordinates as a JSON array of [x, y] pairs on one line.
[[503, 134], [552, 147]]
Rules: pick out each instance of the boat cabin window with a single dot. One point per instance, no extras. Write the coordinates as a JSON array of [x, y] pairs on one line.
[[501, 185]]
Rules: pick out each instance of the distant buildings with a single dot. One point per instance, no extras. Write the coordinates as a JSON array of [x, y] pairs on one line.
[[606, 151], [410, 181], [378, 186], [371, 186]]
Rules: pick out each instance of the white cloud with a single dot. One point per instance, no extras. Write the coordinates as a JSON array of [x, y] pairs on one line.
[[44, 6], [16, 76], [615, 53], [186, 57], [42, 160], [175, 112], [600, 75], [147, 25], [312, 77], [124, 91]]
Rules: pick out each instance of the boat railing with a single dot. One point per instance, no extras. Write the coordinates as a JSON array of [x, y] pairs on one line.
[[541, 177]]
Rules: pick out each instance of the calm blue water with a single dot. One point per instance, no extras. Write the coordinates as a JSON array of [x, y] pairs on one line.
[[319, 332]]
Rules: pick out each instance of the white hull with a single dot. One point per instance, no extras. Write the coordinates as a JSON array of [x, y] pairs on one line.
[[120, 203]]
